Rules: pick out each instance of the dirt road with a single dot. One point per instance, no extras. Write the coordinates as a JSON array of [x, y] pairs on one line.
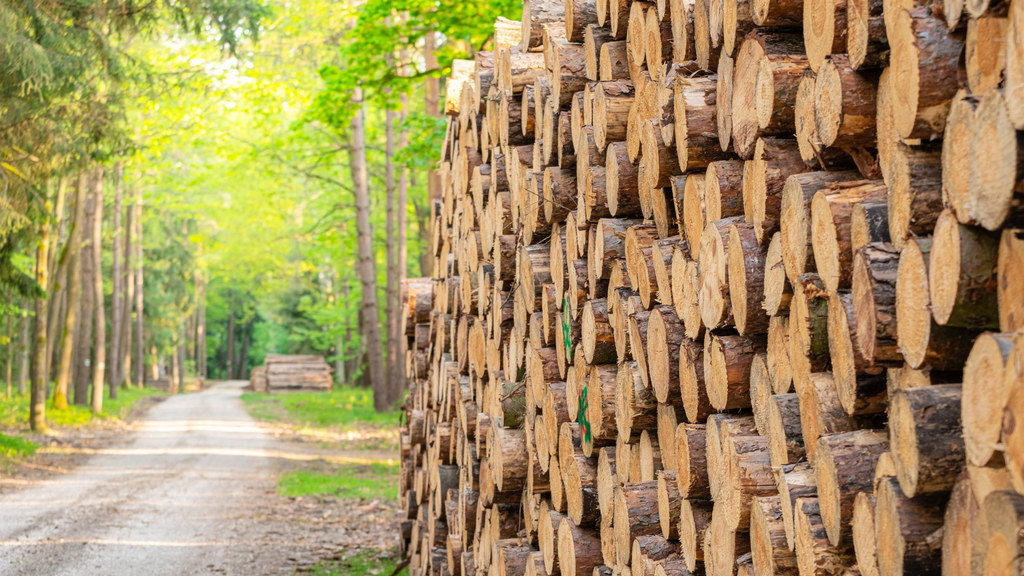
[[189, 491]]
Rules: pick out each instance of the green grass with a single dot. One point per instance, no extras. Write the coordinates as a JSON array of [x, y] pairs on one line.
[[378, 480], [344, 408], [15, 447], [359, 564], [14, 410]]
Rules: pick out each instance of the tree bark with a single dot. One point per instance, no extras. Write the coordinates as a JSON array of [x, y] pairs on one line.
[[398, 384], [57, 265], [24, 347], [100, 356], [140, 375], [116, 317], [37, 413], [125, 346], [383, 397], [74, 282], [231, 341], [83, 330], [391, 251]]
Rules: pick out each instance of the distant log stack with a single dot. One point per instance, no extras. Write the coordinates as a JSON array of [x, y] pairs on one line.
[[286, 372], [726, 287], [258, 379]]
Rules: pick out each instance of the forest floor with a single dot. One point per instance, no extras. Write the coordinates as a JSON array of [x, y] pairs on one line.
[[195, 485]]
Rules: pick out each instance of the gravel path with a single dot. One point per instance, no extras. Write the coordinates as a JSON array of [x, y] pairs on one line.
[[190, 490]]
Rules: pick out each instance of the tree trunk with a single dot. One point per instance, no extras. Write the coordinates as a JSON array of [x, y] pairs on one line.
[[57, 265], [125, 346], [140, 376], [179, 356], [37, 413], [391, 289], [382, 396], [243, 356], [9, 356], [201, 325], [100, 356], [432, 101], [24, 347], [398, 384], [74, 284], [116, 318], [83, 330], [231, 342]]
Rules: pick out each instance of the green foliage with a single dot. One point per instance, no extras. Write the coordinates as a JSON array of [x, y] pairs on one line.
[[375, 480], [368, 563], [16, 447], [344, 408], [13, 410]]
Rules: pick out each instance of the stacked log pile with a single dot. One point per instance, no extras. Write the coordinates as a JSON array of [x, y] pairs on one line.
[[731, 286], [258, 379], [287, 372]]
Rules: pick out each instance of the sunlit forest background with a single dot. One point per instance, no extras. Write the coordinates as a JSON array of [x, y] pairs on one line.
[[206, 155]]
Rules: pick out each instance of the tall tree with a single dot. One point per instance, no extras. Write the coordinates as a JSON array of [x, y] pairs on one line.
[[403, 224], [391, 289], [140, 340], [24, 347], [66, 346], [231, 340], [200, 324], [37, 405], [57, 264], [99, 311], [113, 364], [243, 356], [84, 328], [382, 394], [125, 337]]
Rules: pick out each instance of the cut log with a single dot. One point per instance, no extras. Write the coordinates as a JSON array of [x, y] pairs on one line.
[[579, 550], [962, 286], [770, 553], [713, 298], [808, 329], [747, 273], [831, 212], [636, 514], [691, 466], [727, 360], [694, 522], [844, 104], [536, 13], [996, 161], [669, 502], [1010, 288], [764, 86], [785, 435], [778, 292], [795, 217], [845, 467], [866, 42], [821, 413], [925, 57], [860, 385], [874, 302], [927, 443], [780, 369], [921, 340], [815, 554], [1003, 517], [794, 482], [908, 531], [664, 337]]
